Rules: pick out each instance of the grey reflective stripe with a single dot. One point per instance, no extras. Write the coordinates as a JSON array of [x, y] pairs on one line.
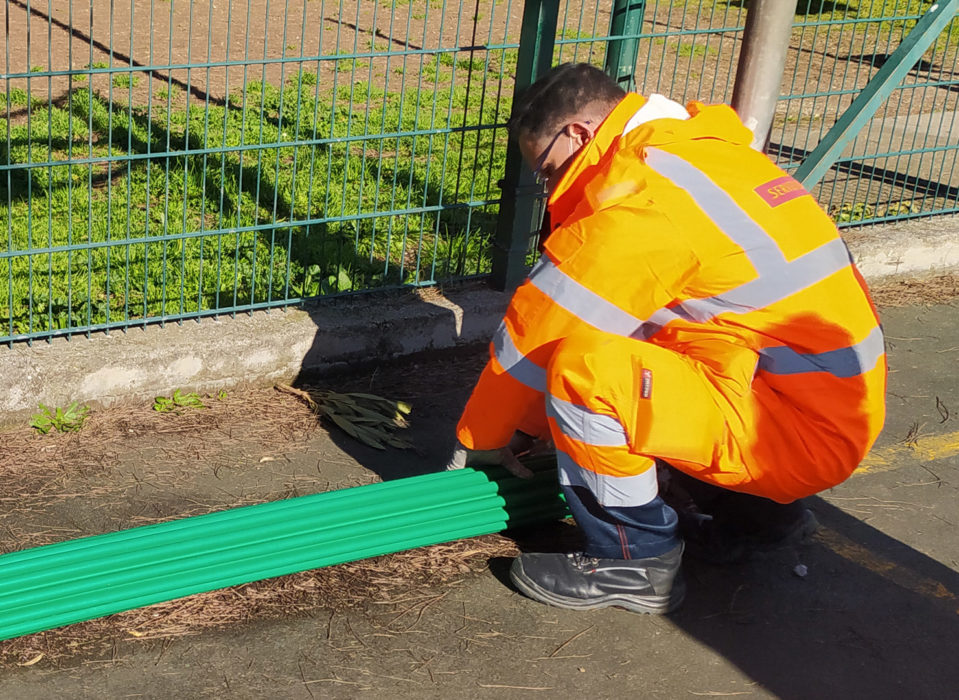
[[777, 278], [844, 362], [786, 279], [519, 367], [612, 491], [774, 285], [656, 322], [581, 424], [733, 220], [580, 301]]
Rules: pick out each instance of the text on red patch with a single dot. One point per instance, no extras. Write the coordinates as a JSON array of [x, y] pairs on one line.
[[780, 191]]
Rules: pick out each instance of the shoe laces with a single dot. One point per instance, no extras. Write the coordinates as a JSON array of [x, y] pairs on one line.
[[582, 562]]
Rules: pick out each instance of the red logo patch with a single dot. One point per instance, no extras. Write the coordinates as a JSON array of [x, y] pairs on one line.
[[646, 384], [780, 191]]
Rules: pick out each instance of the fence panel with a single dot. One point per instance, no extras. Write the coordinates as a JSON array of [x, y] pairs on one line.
[[686, 50], [173, 158]]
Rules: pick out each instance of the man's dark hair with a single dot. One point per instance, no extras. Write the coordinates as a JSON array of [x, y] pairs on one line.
[[562, 93]]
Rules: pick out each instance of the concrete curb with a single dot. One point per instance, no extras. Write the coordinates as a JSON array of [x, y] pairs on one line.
[[907, 249], [250, 349], [266, 347]]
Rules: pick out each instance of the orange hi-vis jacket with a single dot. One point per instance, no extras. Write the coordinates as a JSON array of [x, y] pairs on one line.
[[676, 233]]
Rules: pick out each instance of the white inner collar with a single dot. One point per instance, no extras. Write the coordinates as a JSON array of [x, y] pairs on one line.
[[657, 107]]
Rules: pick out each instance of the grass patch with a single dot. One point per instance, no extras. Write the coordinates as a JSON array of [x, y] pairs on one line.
[[18, 97], [124, 81], [853, 212], [281, 193], [694, 50]]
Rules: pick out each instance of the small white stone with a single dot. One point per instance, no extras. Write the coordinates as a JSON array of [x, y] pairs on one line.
[[800, 570]]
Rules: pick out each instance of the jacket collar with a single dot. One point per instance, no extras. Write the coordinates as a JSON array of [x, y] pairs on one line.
[[565, 196], [655, 121]]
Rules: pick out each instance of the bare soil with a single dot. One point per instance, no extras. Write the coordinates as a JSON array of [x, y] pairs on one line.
[[212, 49]]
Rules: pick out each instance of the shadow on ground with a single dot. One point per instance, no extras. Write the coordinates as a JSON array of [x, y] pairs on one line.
[[436, 382], [855, 624], [871, 618]]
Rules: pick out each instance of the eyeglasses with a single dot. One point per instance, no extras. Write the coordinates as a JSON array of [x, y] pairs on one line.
[[541, 177], [538, 174]]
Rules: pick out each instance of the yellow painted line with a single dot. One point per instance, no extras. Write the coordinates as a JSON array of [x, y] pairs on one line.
[[925, 449], [899, 575]]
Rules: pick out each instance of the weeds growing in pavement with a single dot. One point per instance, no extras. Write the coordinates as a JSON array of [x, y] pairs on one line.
[[68, 420], [178, 401]]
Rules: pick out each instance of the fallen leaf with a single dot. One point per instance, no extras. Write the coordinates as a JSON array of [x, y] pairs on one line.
[[32, 661]]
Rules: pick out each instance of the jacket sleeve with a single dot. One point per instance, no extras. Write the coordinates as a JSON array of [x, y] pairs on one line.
[[611, 271]]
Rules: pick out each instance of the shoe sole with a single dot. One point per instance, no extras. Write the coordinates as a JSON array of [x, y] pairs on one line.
[[648, 605]]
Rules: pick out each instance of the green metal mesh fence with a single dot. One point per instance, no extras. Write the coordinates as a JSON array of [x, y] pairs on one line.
[[170, 159], [902, 164], [685, 50]]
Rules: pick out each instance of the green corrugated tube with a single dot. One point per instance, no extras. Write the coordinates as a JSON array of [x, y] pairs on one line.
[[82, 579]]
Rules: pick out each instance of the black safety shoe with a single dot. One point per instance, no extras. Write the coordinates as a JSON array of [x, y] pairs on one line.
[[652, 585], [708, 540]]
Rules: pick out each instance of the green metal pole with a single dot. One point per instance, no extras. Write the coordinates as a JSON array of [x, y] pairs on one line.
[[862, 109], [519, 215], [622, 54], [59, 584]]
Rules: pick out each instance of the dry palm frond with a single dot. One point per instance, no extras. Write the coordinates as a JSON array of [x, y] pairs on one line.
[[368, 418]]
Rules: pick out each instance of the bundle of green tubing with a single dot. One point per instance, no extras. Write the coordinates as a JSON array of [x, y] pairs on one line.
[[59, 584]]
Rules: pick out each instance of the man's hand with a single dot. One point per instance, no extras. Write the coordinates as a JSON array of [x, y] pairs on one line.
[[503, 456]]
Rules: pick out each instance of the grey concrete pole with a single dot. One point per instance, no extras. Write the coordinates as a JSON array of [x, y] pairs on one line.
[[762, 59]]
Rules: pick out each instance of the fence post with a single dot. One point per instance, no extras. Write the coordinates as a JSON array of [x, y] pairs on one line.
[[762, 59], [622, 54], [519, 213]]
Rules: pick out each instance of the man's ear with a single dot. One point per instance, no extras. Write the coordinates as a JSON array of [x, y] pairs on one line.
[[579, 132]]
